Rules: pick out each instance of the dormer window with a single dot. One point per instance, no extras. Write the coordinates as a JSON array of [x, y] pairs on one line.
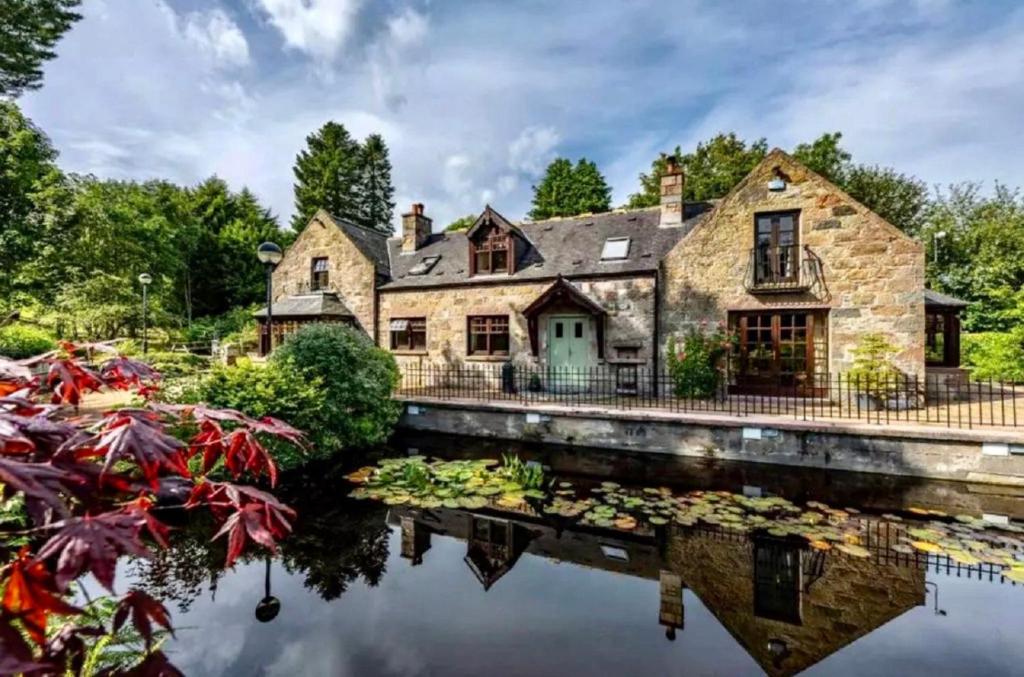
[[319, 278], [615, 249], [491, 253]]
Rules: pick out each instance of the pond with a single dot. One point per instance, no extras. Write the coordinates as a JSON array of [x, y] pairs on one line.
[[370, 589]]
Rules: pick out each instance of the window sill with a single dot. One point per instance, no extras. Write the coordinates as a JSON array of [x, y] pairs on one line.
[[410, 352], [488, 358]]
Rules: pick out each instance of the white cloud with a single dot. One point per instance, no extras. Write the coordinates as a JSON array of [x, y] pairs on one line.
[[533, 149], [216, 34], [319, 28], [409, 27]]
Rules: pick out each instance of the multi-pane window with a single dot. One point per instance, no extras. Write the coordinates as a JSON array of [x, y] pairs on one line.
[[409, 333], [488, 335], [320, 274], [776, 251], [491, 253]]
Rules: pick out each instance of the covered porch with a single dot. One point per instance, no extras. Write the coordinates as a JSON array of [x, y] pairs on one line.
[[292, 312]]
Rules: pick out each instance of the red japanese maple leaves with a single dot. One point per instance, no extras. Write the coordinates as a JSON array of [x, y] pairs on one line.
[[89, 488]]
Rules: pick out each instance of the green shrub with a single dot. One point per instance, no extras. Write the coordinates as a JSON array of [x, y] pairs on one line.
[[18, 341], [995, 355], [274, 389], [873, 372], [358, 379], [694, 368], [177, 365]]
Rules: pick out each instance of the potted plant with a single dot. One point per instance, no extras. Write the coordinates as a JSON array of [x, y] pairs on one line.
[[873, 376]]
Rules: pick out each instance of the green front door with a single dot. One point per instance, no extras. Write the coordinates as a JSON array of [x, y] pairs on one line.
[[568, 350]]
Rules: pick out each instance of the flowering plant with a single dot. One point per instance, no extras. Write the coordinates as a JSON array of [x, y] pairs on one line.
[[694, 367]]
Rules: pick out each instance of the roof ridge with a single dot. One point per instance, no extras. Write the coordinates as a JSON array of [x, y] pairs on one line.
[[585, 215], [373, 231]]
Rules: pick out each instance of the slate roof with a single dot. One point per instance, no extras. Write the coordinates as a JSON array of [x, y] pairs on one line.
[[314, 304], [569, 247], [372, 243], [935, 298]]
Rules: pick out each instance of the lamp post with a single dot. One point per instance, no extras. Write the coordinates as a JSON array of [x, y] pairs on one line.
[[269, 255], [269, 606], [145, 279], [935, 245]]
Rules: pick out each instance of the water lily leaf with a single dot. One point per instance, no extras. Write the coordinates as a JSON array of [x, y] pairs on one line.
[[902, 548], [853, 550], [963, 557], [1015, 575], [534, 493], [430, 503], [926, 546], [657, 520], [450, 503], [472, 502], [397, 499], [821, 545], [626, 523]]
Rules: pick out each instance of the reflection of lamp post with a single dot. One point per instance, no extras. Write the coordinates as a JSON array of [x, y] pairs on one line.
[[779, 651], [269, 255], [935, 244], [145, 279], [269, 606], [935, 597]]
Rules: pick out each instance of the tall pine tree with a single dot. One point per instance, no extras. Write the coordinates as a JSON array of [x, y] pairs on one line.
[[375, 194], [29, 30], [328, 175], [565, 190]]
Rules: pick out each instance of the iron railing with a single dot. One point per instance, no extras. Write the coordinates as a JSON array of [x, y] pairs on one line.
[[785, 268], [933, 399]]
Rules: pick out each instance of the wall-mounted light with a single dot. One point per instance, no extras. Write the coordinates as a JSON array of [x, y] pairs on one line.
[[777, 185]]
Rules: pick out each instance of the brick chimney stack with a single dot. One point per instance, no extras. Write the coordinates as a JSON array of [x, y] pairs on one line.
[[416, 228], [672, 193]]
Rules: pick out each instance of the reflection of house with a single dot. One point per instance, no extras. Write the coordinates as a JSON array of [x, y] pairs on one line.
[[798, 268], [788, 607]]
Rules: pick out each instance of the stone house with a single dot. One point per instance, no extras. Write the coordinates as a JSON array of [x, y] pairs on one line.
[[797, 269]]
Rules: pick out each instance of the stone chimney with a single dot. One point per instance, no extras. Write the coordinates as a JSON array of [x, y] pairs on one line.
[[416, 228], [672, 193]]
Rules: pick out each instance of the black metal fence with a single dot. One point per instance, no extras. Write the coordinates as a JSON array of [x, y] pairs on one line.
[[935, 399]]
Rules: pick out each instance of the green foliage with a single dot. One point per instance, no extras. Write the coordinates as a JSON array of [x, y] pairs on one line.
[[327, 174], [357, 380], [376, 193], [567, 190], [981, 257], [694, 368], [461, 223], [873, 372], [178, 365], [33, 201], [994, 355], [275, 389], [29, 30], [711, 170], [527, 475], [18, 341], [717, 165]]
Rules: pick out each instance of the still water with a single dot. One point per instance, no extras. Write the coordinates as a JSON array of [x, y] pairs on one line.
[[367, 589]]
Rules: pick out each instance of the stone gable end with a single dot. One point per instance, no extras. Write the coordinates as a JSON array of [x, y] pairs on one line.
[[872, 274], [352, 274]]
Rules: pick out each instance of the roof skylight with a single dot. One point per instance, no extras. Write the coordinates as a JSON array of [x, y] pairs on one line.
[[615, 249], [424, 266]]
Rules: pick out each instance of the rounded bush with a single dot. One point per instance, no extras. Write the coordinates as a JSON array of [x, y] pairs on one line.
[[19, 341], [357, 380]]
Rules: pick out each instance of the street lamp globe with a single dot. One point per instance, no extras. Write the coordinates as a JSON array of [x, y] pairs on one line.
[[269, 254], [145, 278]]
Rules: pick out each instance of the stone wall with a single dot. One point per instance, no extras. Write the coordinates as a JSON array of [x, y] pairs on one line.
[[629, 302], [873, 275], [352, 274]]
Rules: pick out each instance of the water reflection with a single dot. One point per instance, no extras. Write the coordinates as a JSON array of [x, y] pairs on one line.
[[365, 589]]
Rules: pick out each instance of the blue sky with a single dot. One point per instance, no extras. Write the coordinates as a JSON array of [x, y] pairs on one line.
[[475, 97]]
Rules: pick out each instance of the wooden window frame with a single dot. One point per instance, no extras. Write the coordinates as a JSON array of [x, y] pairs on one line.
[[774, 249], [417, 326], [315, 282], [492, 326], [493, 241], [950, 337]]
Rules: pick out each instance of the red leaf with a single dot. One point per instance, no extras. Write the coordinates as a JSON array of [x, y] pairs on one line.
[[278, 428], [210, 441], [123, 372], [245, 453], [15, 653], [38, 481], [30, 596], [94, 543], [68, 379], [129, 434], [248, 514], [144, 611]]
